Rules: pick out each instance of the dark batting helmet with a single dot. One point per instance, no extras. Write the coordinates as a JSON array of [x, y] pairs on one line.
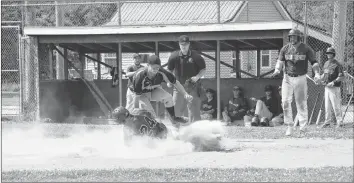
[[295, 32], [331, 50], [120, 114]]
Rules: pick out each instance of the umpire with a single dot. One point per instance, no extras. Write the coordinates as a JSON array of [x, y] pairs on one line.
[[186, 65], [295, 56]]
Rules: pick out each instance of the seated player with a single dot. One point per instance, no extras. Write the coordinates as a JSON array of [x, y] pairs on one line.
[[141, 123], [209, 105], [266, 108], [237, 107]]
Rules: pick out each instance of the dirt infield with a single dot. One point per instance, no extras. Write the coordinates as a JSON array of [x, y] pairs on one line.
[[284, 153], [29, 150]]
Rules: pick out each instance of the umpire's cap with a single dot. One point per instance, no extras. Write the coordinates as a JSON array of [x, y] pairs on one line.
[[183, 39], [295, 32], [331, 50], [154, 60]]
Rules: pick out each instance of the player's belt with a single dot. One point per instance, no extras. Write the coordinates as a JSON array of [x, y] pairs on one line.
[[294, 75]]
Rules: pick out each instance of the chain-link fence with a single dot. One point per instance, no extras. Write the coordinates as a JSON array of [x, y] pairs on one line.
[[10, 71], [320, 21]]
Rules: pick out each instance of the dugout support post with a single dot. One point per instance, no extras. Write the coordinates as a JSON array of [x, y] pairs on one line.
[[218, 99], [119, 66], [99, 66], [157, 53]]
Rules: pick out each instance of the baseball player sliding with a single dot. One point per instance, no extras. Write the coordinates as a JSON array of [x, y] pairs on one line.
[[295, 56]]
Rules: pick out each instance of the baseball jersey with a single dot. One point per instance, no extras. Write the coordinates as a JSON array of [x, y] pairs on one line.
[[141, 83], [185, 66], [208, 105], [271, 103], [296, 58], [134, 68], [142, 125], [236, 104], [332, 70]]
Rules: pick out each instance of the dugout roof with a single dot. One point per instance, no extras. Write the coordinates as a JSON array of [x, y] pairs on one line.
[[244, 25], [241, 36]]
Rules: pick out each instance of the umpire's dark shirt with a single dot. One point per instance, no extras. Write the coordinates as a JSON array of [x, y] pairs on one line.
[[185, 66]]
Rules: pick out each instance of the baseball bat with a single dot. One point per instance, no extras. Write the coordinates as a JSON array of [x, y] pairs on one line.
[[320, 112], [346, 108], [313, 109]]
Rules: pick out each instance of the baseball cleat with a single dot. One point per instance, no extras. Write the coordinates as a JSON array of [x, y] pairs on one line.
[[289, 131]]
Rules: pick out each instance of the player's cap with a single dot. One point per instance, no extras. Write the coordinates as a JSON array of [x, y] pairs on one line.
[[236, 88], [154, 60], [268, 88], [136, 55], [183, 39], [209, 90]]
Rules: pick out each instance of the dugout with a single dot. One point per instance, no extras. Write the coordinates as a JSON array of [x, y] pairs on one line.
[[59, 99]]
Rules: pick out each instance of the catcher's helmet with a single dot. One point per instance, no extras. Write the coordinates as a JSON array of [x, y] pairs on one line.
[[331, 50], [120, 113]]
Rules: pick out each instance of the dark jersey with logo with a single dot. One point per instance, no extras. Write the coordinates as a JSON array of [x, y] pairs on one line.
[[236, 104], [141, 83], [133, 68], [272, 104], [185, 66], [142, 126], [209, 105], [296, 58], [331, 70]]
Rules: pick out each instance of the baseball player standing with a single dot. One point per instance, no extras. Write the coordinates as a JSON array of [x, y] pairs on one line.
[[130, 73], [332, 76], [295, 56]]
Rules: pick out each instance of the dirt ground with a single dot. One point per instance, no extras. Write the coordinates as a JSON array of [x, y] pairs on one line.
[[27, 150]]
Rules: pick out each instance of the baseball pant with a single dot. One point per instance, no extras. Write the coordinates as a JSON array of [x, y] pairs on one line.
[[129, 101], [298, 87], [262, 110], [181, 104], [276, 121], [158, 94], [332, 101]]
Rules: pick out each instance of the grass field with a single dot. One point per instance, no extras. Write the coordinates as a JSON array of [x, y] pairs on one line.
[[263, 154], [325, 174]]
